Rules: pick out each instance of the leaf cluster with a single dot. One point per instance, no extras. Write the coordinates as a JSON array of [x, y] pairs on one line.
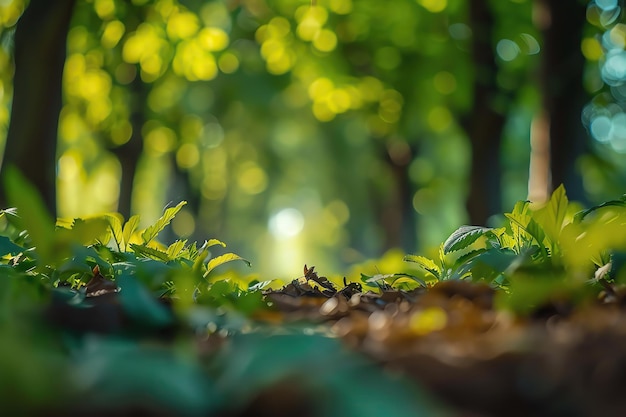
[[541, 251]]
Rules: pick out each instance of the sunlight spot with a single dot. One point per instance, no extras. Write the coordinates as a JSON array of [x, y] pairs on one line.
[[606, 4], [71, 125], [341, 6], [252, 179], [145, 42], [194, 62], [617, 35], [601, 129], [428, 320], [69, 166], [121, 133], [325, 40], [184, 224], [191, 127], [318, 14], [112, 34], [228, 63], [278, 27], [591, 49], [104, 8], [213, 39], [339, 101], [445, 82], [320, 88], [182, 25], [507, 50], [371, 88], [322, 112], [99, 109], [151, 64], [433, 6], [11, 12], [310, 22], [215, 14], [614, 68], [107, 185], [187, 156], [286, 223], [160, 140], [439, 118], [214, 188], [95, 84]]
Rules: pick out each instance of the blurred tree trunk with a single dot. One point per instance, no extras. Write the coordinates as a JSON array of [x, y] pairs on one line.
[[485, 124], [396, 214], [129, 153], [563, 98], [40, 52]]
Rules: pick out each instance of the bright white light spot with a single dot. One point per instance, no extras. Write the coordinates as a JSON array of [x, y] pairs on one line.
[[607, 4], [287, 223], [614, 69], [601, 128]]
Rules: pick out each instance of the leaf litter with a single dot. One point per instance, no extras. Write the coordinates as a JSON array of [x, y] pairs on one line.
[[450, 338]]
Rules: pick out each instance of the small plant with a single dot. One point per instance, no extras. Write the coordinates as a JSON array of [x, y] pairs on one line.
[[540, 250]]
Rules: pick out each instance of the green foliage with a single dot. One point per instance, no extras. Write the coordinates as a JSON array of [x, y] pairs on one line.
[[541, 252], [145, 289]]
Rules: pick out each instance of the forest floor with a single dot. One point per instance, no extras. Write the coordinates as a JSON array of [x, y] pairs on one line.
[[562, 360]]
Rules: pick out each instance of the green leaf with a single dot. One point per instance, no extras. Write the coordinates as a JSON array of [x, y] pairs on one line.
[[88, 231], [140, 304], [612, 203], [152, 231], [33, 215], [258, 285], [524, 227], [463, 237], [551, 216], [9, 248], [213, 242], [425, 264], [149, 252], [129, 228], [175, 249], [115, 223], [492, 263], [126, 374], [392, 277], [221, 260]]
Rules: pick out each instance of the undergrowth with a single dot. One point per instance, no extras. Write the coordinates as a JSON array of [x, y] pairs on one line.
[[63, 282]]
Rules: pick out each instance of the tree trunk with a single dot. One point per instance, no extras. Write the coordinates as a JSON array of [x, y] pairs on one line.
[[40, 52], [563, 92], [486, 122], [128, 154]]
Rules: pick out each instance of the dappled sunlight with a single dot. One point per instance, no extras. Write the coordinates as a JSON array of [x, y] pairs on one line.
[[251, 178], [312, 127], [81, 194], [286, 223], [159, 140]]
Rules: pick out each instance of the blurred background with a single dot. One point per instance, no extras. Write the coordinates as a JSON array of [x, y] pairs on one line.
[[326, 133]]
